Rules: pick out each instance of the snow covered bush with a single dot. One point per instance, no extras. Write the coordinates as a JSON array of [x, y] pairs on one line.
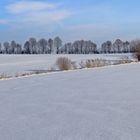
[[64, 63]]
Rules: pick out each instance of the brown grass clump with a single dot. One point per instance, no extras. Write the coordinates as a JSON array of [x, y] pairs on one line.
[[4, 76], [64, 63], [125, 60], [93, 63]]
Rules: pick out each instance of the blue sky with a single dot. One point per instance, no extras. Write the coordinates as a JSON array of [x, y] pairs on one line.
[[98, 20]]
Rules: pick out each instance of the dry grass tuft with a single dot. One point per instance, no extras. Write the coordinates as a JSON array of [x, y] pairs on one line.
[[124, 60], [93, 63], [64, 63], [4, 76]]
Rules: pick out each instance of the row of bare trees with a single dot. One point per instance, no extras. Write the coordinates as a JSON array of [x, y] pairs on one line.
[[118, 47], [55, 46]]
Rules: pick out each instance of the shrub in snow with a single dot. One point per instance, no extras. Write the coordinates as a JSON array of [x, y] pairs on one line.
[[4, 76], [64, 63], [93, 63], [82, 65], [89, 64], [137, 51], [74, 65], [135, 45], [125, 60]]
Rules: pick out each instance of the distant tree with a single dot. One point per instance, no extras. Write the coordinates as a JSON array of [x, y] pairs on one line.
[[57, 44], [33, 46], [75, 46], [93, 48], [106, 47], [50, 45], [126, 47], [90, 47], [27, 48], [42, 46], [133, 45], [18, 49], [109, 46], [84, 47], [67, 48], [13, 47], [118, 46], [6, 47]]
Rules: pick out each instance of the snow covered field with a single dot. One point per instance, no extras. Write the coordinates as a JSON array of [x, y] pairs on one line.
[[17, 64], [93, 104]]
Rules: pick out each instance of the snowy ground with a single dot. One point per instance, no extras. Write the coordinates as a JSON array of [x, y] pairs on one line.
[[93, 104], [17, 64]]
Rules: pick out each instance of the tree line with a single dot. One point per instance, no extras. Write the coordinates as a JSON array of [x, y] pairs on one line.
[[56, 46]]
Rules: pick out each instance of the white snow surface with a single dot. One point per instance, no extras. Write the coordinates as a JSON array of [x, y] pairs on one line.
[[17, 64], [92, 104]]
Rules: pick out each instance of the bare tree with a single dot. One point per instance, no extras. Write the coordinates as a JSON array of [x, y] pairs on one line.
[[57, 44], [18, 49], [33, 45], [118, 46], [6, 47], [50, 45], [27, 48], [42, 46], [13, 46]]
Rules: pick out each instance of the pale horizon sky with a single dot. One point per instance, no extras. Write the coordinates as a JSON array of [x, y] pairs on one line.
[[96, 20]]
